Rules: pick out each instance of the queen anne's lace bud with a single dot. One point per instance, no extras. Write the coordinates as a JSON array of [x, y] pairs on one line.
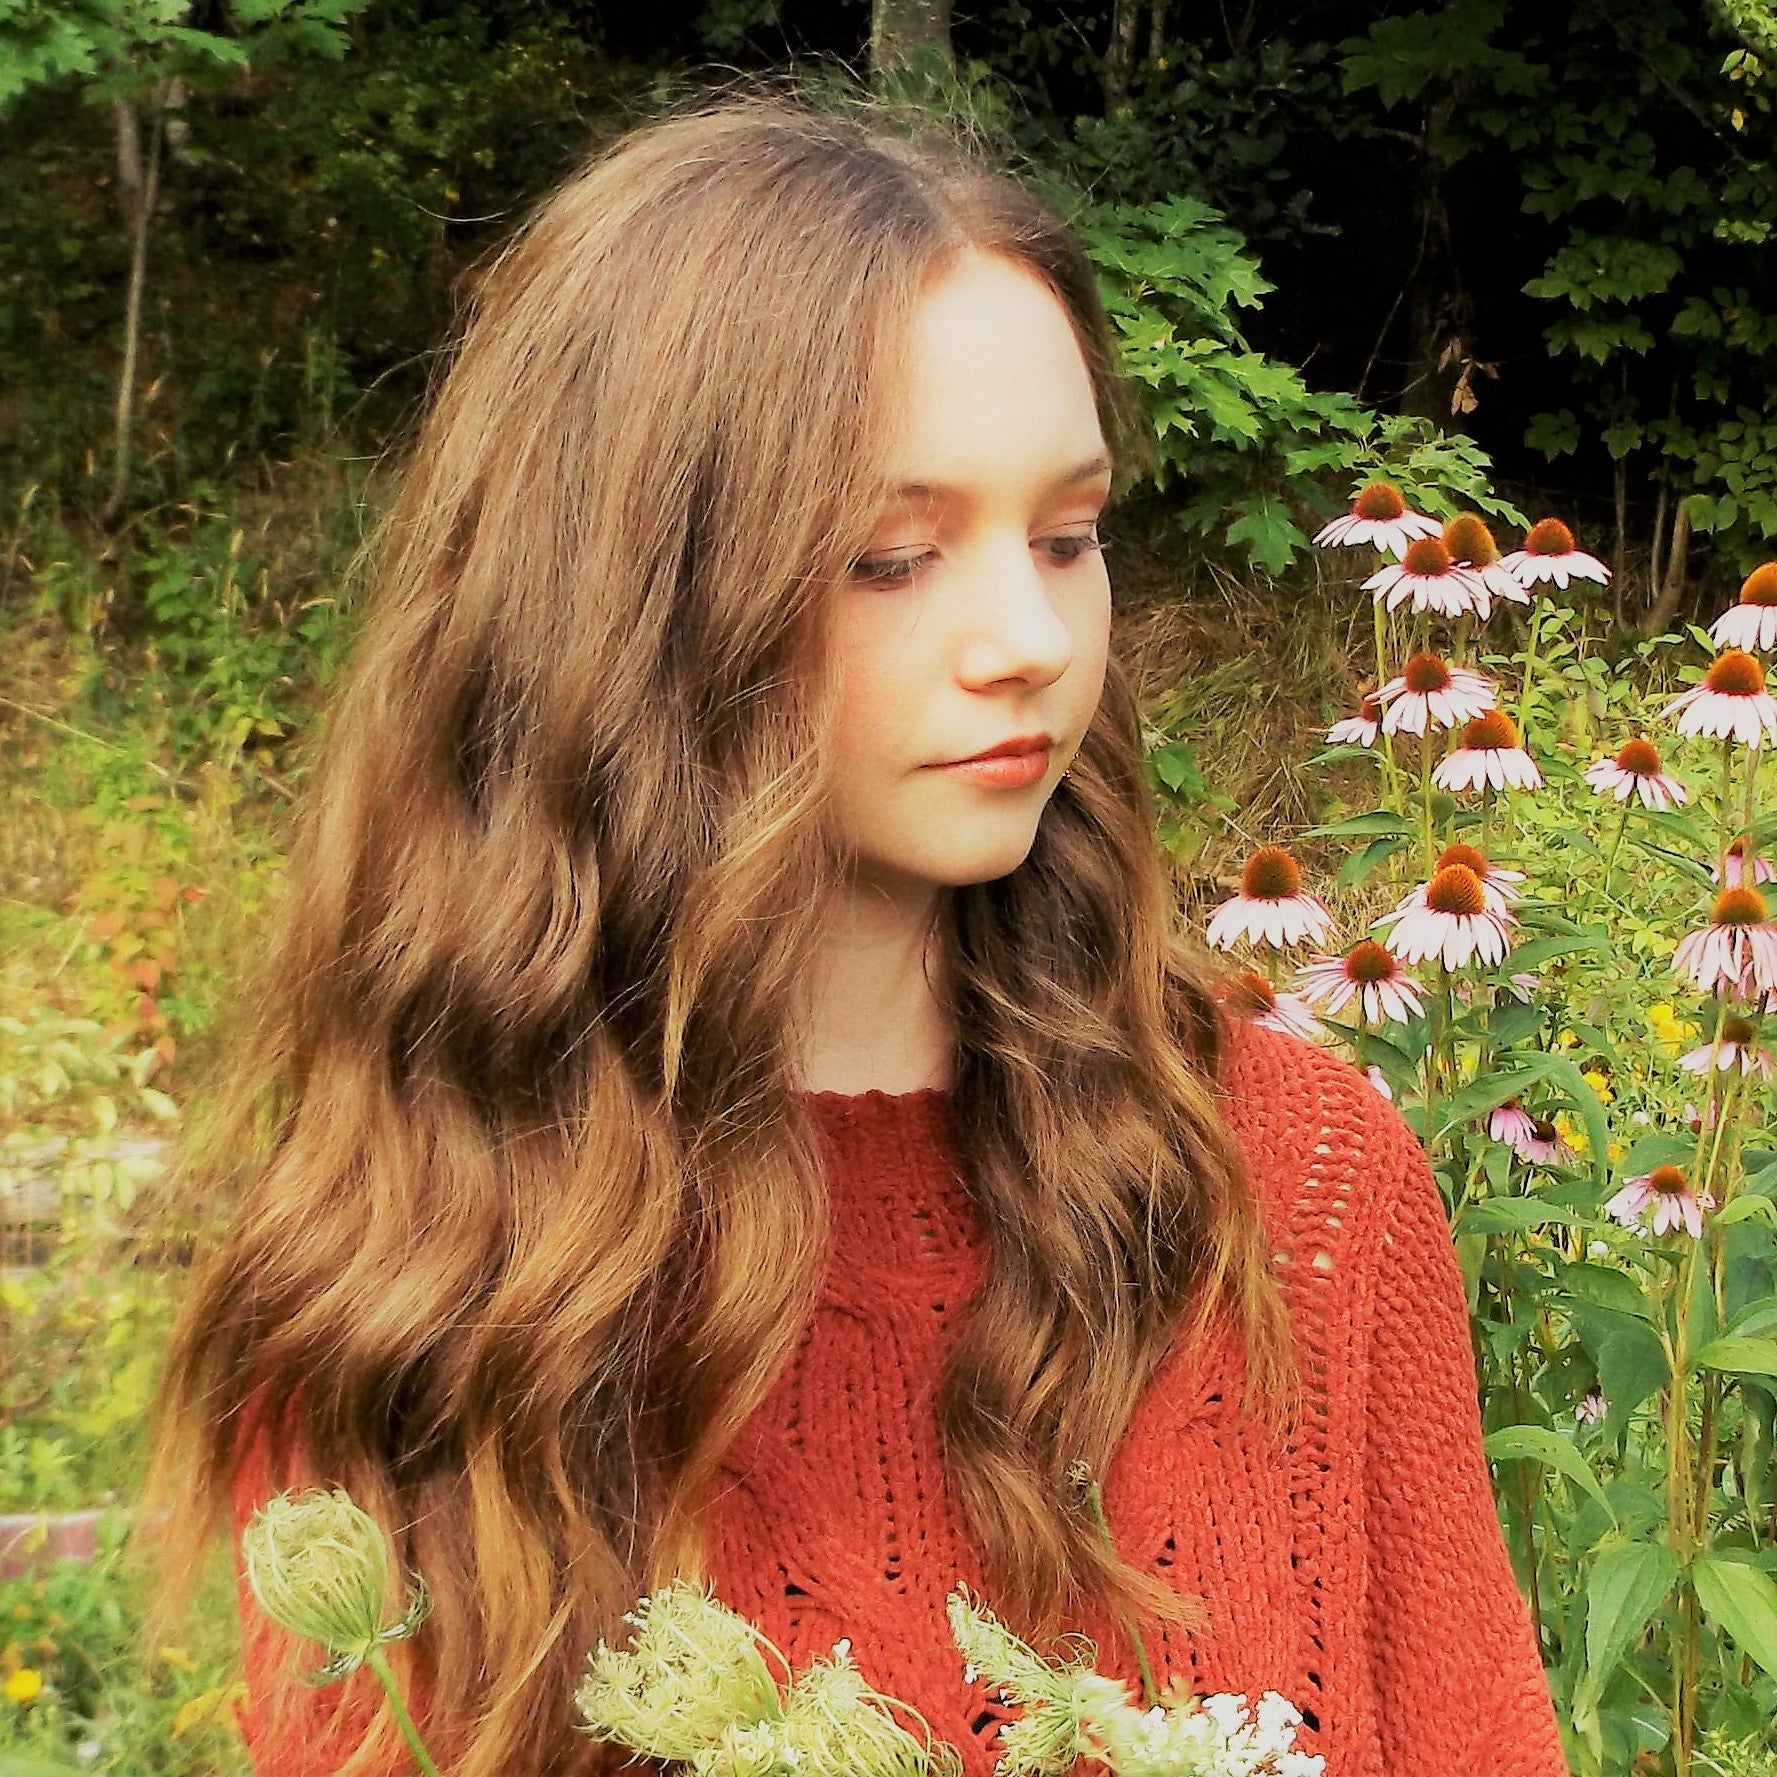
[[318, 1565]]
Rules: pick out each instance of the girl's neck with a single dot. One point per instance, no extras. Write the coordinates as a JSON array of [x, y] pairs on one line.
[[871, 1021]]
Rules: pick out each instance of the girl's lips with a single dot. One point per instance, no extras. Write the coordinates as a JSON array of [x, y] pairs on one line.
[[1010, 771]]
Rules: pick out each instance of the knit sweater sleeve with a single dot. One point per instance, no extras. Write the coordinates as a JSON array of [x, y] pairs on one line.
[[1458, 1674]]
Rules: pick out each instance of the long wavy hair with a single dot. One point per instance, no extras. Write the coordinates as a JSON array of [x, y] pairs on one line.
[[524, 1212]]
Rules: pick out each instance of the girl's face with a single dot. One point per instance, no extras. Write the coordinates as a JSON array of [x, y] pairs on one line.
[[981, 610]]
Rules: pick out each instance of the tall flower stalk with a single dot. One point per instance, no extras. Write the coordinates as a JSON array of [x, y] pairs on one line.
[[1587, 1219]]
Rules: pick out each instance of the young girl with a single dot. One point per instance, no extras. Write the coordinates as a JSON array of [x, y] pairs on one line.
[[692, 1124]]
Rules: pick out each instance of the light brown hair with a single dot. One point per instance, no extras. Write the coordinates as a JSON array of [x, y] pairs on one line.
[[522, 1196]]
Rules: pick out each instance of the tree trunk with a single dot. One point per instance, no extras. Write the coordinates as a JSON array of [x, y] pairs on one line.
[[1677, 560], [1119, 54], [1157, 31], [904, 32], [147, 188], [1439, 312], [129, 159]]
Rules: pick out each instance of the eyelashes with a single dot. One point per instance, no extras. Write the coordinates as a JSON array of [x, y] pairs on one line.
[[895, 571]]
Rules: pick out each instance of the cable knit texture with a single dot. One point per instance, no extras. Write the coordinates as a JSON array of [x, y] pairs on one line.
[[1361, 1570]]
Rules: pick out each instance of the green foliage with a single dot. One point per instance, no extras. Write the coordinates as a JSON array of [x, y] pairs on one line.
[[1659, 233], [119, 49], [1401, 58], [103, 1709], [1240, 431]]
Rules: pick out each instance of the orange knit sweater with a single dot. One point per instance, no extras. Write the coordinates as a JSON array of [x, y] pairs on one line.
[[1361, 1572]]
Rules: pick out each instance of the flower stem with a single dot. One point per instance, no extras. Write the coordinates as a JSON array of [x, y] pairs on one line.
[[1610, 862], [1529, 667], [378, 1664], [1727, 806], [1390, 770], [1431, 850], [1095, 1501]]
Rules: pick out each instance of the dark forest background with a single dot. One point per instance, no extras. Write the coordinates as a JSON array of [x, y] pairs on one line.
[[1546, 227]]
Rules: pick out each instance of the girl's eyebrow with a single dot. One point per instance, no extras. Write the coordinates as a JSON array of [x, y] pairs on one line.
[[1089, 470]]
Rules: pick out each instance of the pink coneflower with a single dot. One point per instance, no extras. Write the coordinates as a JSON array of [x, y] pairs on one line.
[[1530, 1137], [1272, 906], [1360, 728], [1491, 754], [1635, 769], [1498, 887], [1379, 1080], [1738, 947], [1367, 968], [1753, 622], [1428, 689], [1471, 545], [1522, 988], [1593, 1408], [1249, 995], [1730, 704], [1545, 1144], [1735, 864], [1739, 1047], [1674, 1202], [1510, 1123], [1379, 516], [1428, 576], [1549, 554], [1449, 918]]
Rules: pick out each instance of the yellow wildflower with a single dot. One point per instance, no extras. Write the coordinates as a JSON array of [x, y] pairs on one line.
[[195, 1710], [1666, 1024], [1616, 1151], [1565, 1039], [24, 1684], [1572, 1132], [1600, 1083]]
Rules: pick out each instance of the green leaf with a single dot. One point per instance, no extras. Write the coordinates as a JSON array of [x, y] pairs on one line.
[[1753, 1357], [1602, 1287], [1744, 1209], [1626, 1583], [1756, 1320], [1537, 951], [1338, 754], [1359, 865], [1628, 1355], [1742, 1599], [1537, 1443], [1272, 537], [1500, 1215], [1360, 826], [1564, 1074]]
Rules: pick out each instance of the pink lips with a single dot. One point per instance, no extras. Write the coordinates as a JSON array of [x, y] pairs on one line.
[[1018, 744], [1002, 771]]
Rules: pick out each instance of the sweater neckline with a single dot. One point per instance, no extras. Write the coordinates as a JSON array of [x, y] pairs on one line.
[[876, 1099]]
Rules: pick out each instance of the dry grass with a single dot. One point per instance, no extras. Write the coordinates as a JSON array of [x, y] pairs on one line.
[[1250, 674]]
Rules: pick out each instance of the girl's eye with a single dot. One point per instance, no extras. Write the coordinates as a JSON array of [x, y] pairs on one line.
[[889, 570]]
